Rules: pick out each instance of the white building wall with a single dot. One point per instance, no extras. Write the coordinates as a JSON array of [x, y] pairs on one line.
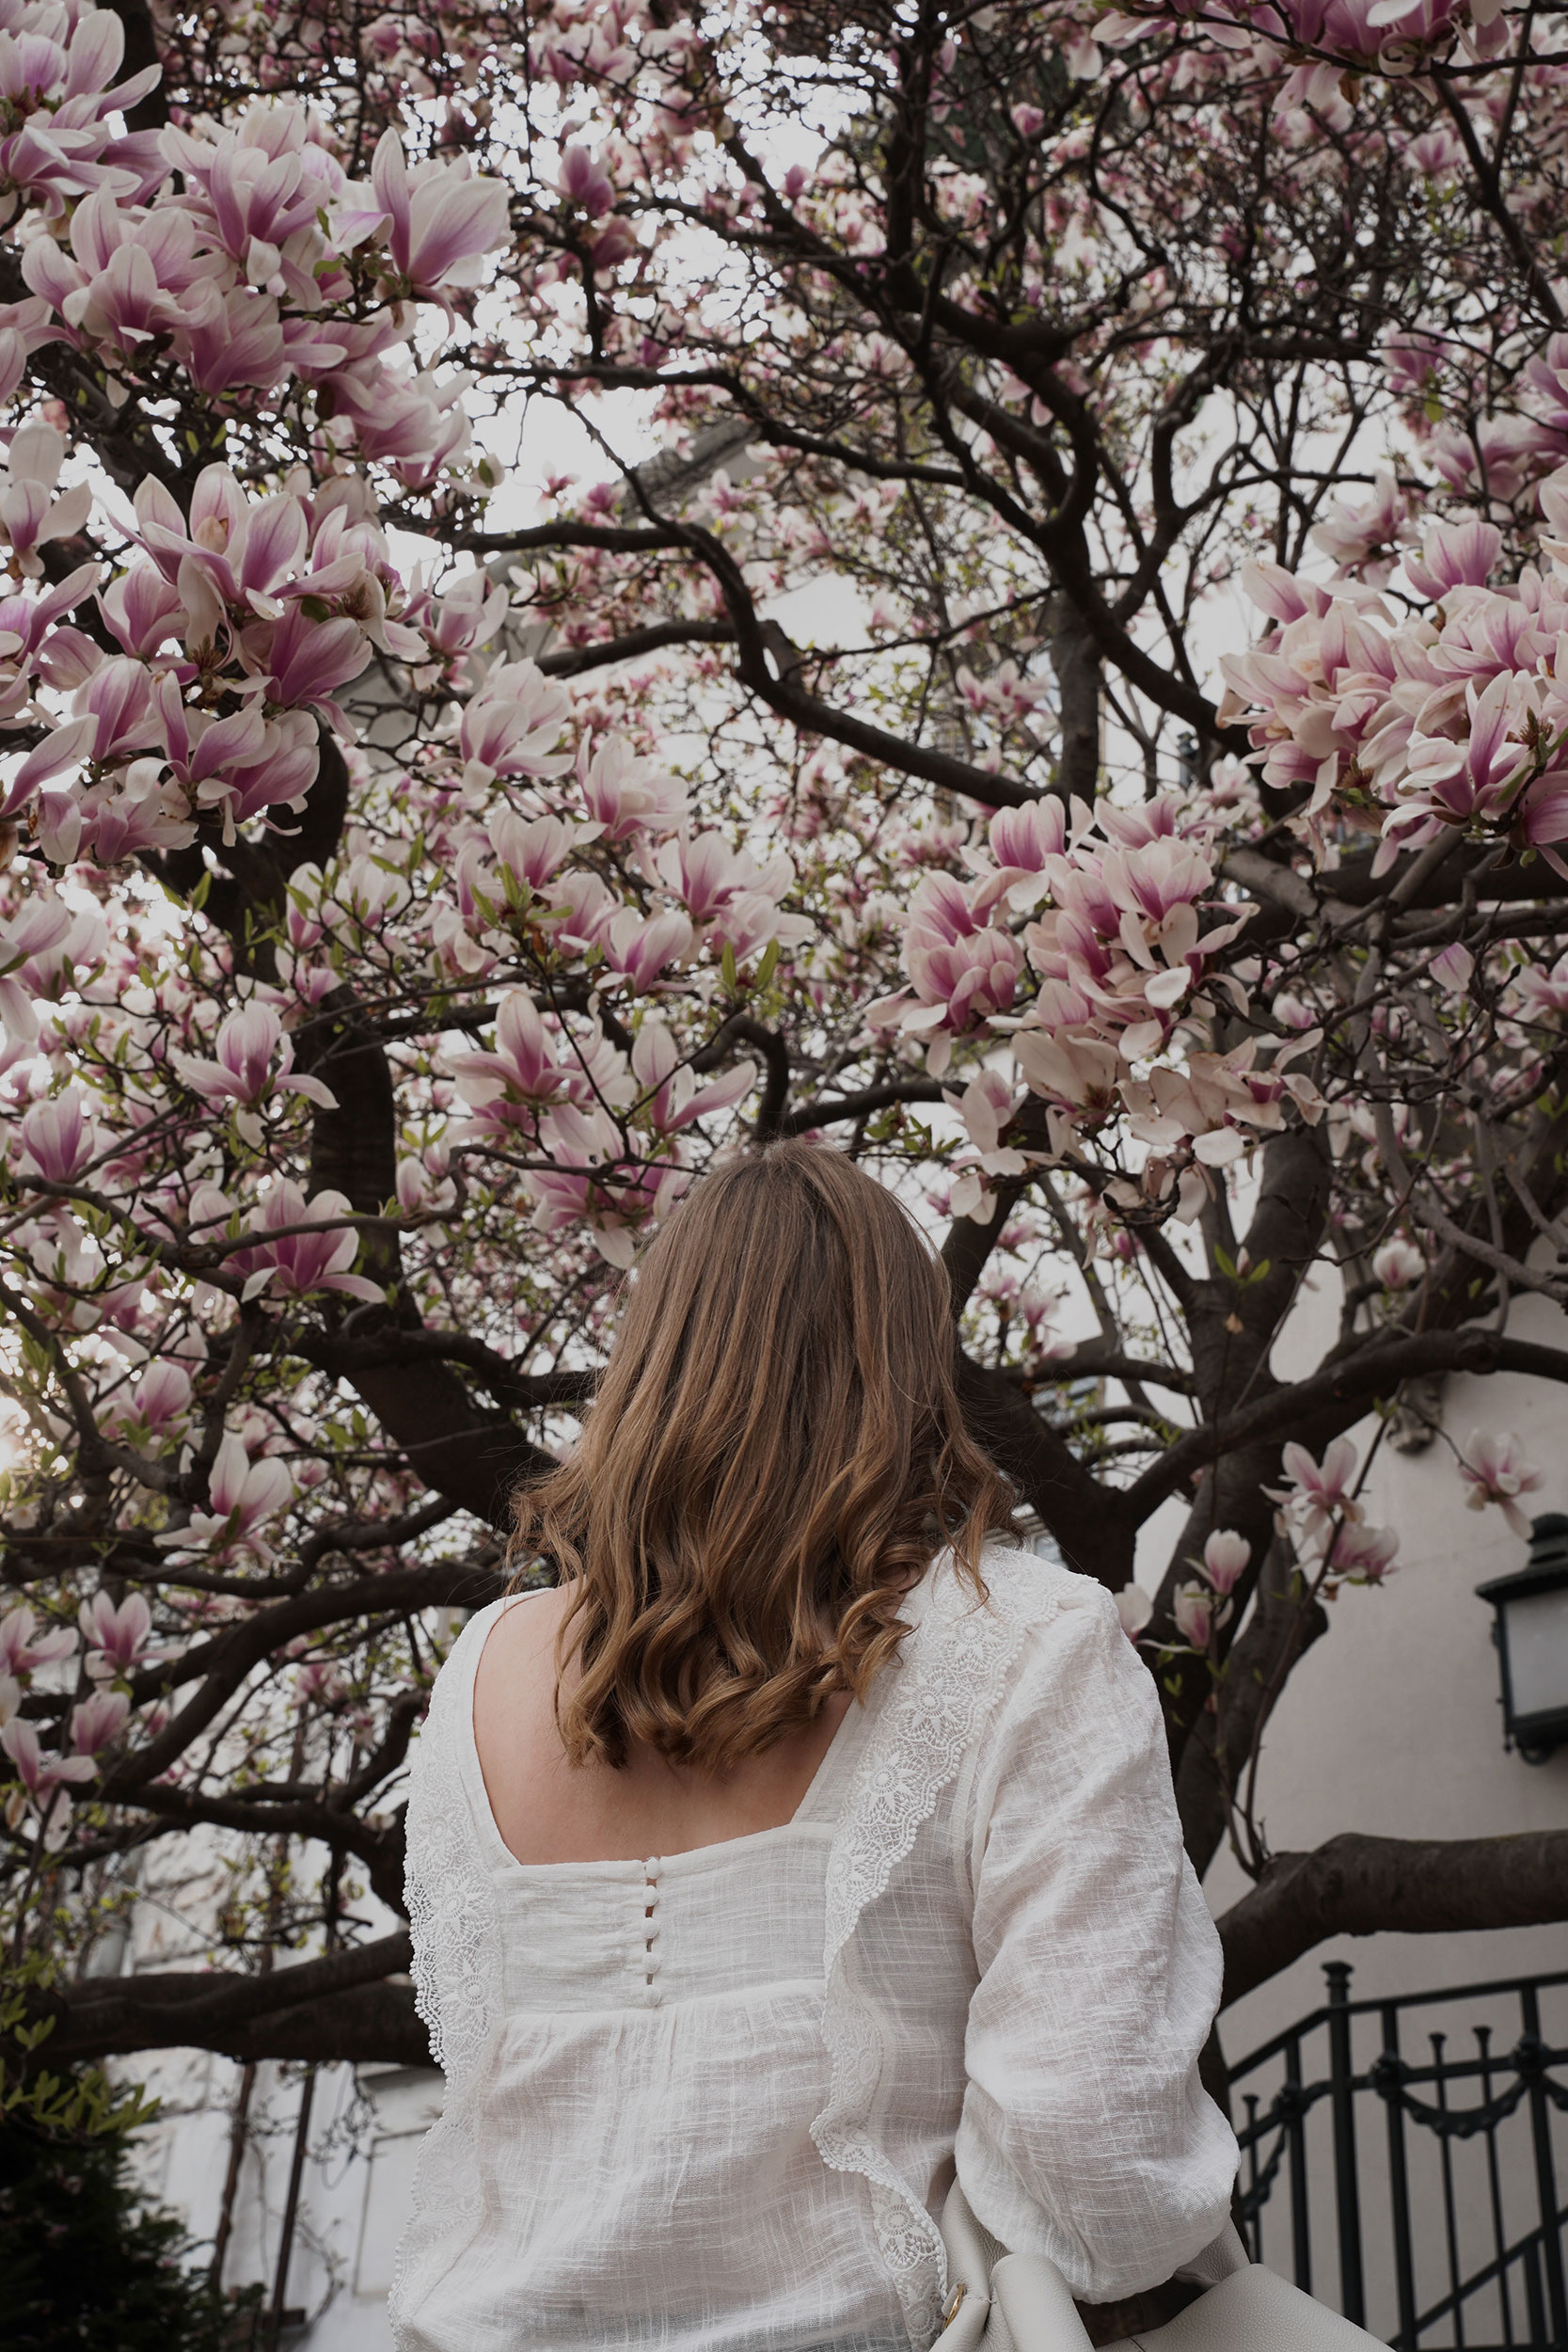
[[1391, 1724]]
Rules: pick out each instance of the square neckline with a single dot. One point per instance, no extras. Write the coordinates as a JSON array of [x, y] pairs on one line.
[[847, 1737]]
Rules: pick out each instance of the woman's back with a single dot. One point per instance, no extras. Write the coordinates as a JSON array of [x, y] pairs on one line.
[[712, 2099], [548, 1811]]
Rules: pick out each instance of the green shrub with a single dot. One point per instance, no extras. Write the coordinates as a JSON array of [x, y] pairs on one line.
[[85, 2263]]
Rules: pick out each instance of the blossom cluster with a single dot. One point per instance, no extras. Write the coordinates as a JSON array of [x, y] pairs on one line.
[[1442, 720], [1090, 942]]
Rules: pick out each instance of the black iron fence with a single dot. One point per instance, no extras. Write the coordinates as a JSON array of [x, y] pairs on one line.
[[1407, 2161]]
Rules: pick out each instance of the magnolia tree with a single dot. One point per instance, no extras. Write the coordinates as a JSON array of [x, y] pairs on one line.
[[416, 877]]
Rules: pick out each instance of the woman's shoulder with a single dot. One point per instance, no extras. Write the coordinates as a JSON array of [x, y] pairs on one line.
[[1032, 1593], [1052, 1625]]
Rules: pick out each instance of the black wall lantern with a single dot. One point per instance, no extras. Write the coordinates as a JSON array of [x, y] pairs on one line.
[[1531, 1635]]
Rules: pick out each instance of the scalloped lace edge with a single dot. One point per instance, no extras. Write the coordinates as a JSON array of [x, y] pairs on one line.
[[952, 1676], [450, 1919]]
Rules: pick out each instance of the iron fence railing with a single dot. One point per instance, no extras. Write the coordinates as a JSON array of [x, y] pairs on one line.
[[1406, 2158]]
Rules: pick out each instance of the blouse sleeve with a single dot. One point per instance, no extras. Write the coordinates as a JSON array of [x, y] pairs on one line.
[[1086, 2134]]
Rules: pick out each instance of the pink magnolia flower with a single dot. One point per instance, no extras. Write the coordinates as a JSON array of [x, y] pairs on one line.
[[522, 1070], [114, 1637], [233, 554], [365, 894], [618, 243], [442, 220], [37, 926], [592, 1182], [671, 1096], [962, 970], [1319, 1492], [30, 514], [423, 1185], [135, 277], [1153, 878], [460, 620], [414, 424], [233, 343], [295, 1264], [254, 1059], [143, 610], [59, 1137], [24, 327], [987, 1107], [580, 911], [162, 1394], [583, 183], [1022, 840], [712, 879], [511, 726], [98, 1720], [1397, 1263], [1199, 1613], [1454, 555], [303, 660], [1080, 1073], [1362, 1555], [113, 717], [1225, 1558], [1452, 968], [242, 1494], [29, 633], [1361, 538], [1134, 1608], [22, 1649], [1451, 783], [40, 1775], [532, 852], [627, 796], [1497, 1470], [241, 765], [260, 195], [643, 948], [1539, 994], [1025, 837]]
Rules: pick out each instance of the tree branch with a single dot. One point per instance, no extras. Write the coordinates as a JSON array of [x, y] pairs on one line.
[[573, 660], [1357, 1885], [1089, 1521], [1319, 1408], [346, 2006]]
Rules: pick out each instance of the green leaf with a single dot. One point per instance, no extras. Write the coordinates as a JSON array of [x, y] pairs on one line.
[[726, 968]]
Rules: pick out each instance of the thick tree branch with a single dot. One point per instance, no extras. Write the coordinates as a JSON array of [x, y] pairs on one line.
[[346, 2006], [472, 1453], [1282, 1627], [1358, 1885], [1089, 1521]]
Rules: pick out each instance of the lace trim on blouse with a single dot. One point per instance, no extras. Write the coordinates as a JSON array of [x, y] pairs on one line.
[[952, 1671], [456, 1962]]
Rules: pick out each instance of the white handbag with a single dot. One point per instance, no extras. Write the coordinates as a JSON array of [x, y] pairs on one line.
[[1021, 2303]]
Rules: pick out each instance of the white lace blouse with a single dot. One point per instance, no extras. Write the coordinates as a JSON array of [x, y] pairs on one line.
[[713, 2102]]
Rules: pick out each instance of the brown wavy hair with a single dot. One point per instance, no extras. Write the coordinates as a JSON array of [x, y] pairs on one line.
[[775, 1455]]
